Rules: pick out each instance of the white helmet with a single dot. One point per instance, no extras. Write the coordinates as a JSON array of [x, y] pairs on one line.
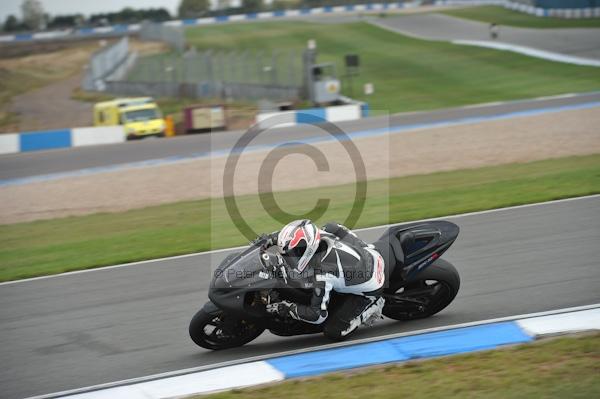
[[298, 242]]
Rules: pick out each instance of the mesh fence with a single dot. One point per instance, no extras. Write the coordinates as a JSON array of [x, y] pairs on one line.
[[277, 68], [273, 75], [223, 90], [174, 36], [110, 62]]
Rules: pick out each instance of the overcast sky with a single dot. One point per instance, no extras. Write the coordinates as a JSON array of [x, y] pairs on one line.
[[86, 7]]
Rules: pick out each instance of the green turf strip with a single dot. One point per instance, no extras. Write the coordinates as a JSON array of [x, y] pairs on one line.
[[74, 243]]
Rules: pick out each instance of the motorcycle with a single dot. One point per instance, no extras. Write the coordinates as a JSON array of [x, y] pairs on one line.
[[419, 284]]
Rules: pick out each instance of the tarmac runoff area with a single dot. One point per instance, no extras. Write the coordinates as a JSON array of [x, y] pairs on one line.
[[409, 151], [576, 45], [130, 321]]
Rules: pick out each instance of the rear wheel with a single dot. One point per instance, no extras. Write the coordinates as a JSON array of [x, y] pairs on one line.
[[431, 291], [216, 330]]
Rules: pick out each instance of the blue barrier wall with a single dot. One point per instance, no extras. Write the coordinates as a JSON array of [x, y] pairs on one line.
[[567, 3], [36, 141], [311, 115], [12, 143]]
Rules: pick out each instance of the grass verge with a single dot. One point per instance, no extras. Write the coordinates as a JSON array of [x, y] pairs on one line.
[[408, 74], [504, 16], [41, 64], [557, 368], [74, 243], [22, 74]]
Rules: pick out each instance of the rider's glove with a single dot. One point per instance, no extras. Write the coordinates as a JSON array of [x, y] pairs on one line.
[[283, 308], [265, 240], [260, 240]]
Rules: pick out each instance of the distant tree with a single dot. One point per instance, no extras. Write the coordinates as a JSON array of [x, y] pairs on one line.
[[33, 14], [130, 15], [66, 21], [223, 5], [279, 5], [312, 3], [158, 14], [11, 24], [193, 8], [127, 14], [252, 5]]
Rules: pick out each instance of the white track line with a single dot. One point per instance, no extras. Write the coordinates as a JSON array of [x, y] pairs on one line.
[[498, 46], [169, 258], [530, 51], [505, 102]]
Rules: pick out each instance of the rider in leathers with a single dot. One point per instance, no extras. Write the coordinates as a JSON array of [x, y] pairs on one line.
[[331, 259]]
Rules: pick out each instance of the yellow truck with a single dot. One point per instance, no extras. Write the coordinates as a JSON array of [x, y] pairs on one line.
[[140, 116]]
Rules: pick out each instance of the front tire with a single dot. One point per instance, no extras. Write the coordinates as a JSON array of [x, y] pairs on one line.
[[436, 287], [216, 330]]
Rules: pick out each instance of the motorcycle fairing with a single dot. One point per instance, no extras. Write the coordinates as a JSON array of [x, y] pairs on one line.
[[415, 246]]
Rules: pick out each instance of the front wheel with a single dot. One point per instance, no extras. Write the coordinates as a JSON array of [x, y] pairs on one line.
[[217, 330], [428, 293]]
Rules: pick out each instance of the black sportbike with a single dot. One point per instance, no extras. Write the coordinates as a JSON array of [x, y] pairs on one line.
[[420, 284]]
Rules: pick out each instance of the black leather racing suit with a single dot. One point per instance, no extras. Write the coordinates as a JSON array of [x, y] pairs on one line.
[[345, 264]]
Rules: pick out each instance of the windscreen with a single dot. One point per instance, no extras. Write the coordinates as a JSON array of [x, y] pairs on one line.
[[243, 271], [141, 115]]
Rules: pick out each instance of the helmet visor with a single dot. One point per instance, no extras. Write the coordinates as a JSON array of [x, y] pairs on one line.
[[292, 257]]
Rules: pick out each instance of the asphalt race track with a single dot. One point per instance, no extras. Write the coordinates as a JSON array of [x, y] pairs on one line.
[[105, 325], [580, 42], [16, 166]]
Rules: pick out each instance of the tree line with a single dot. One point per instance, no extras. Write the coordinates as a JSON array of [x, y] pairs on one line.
[[44, 21], [202, 8], [34, 17]]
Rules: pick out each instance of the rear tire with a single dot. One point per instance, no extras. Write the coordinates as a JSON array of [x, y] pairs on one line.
[[443, 281], [216, 330]]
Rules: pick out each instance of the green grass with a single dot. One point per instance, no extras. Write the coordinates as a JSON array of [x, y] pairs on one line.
[[22, 74], [503, 16], [73, 243], [566, 367], [15, 82], [408, 74]]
